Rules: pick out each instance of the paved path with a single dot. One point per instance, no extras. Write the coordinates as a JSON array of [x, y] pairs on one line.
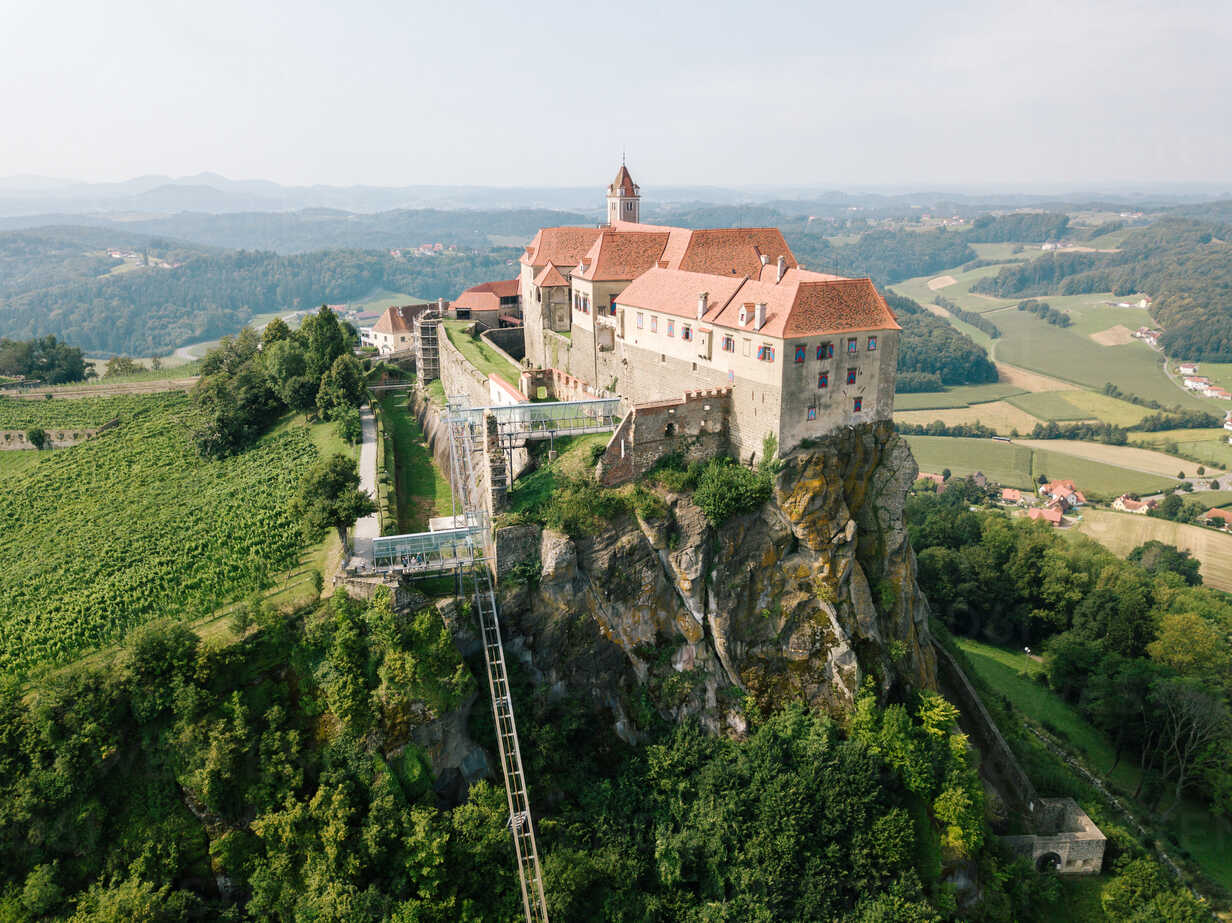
[[369, 527]]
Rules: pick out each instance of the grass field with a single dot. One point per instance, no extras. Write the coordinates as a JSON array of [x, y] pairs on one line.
[[1001, 416], [381, 299], [423, 491], [1018, 465], [961, 396], [959, 292], [1003, 462], [1208, 445], [1123, 456], [1121, 533], [1202, 834], [1080, 405], [531, 491], [480, 354]]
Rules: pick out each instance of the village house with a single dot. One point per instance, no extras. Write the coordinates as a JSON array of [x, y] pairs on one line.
[[1216, 518], [1063, 495], [1187, 368], [494, 304], [1127, 504], [1052, 516], [1011, 495], [394, 331]]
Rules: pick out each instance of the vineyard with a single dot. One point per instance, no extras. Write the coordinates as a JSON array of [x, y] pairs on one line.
[[18, 413], [132, 526]]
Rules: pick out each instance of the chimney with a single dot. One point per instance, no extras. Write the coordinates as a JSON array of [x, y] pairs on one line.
[[764, 259], [703, 301], [759, 315], [440, 306], [782, 267]]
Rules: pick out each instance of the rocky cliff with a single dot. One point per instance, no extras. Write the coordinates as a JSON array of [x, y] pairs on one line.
[[800, 600]]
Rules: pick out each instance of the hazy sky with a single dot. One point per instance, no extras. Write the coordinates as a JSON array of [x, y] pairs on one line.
[[547, 93]]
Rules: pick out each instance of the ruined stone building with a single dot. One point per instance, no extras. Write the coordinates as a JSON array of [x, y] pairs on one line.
[[651, 312]]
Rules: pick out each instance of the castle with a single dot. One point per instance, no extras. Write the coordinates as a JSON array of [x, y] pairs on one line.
[[651, 312]]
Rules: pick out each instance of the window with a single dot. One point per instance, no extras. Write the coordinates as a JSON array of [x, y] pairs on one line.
[[765, 353], [686, 332], [851, 376], [800, 353], [639, 321], [745, 349], [654, 324], [872, 344], [611, 305], [851, 345], [825, 351], [729, 344], [744, 317], [823, 380], [812, 413], [671, 327], [857, 404]]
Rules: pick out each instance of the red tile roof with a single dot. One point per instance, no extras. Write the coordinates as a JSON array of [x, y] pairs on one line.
[[803, 304], [1052, 516], [487, 295], [563, 246], [735, 251], [399, 320], [1010, 494], [619, 255], [1218, 513], [550, 277]]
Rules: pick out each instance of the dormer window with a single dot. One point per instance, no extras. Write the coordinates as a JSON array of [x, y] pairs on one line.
[[744, 316]]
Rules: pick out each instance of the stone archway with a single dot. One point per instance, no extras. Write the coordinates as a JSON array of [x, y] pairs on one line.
[[1048, 862]]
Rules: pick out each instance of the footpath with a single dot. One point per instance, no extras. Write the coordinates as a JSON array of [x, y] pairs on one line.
[[369, 527]]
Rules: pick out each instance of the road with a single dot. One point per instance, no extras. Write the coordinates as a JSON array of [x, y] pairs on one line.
[[369, 527]]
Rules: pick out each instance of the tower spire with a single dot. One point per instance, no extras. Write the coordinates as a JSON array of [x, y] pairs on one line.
[[623, 196]]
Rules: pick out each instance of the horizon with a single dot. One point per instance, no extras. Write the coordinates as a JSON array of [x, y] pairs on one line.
[[1074, 95]]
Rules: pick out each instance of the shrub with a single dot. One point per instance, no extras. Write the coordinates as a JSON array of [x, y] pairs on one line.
[[350, 429], [726, 489], [579, 507]]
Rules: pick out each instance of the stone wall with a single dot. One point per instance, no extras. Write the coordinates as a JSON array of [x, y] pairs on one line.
[[558, 386], [1068, 840], [58, 438], [460, 377], [998, 760], [509, 341], [694, 425]]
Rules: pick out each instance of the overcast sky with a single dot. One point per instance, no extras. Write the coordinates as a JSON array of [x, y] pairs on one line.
[[729, 93]]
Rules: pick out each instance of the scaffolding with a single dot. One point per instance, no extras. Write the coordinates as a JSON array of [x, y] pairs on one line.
[[427, 346]]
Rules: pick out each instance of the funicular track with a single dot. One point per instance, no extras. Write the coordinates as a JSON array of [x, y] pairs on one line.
[[464, 441]]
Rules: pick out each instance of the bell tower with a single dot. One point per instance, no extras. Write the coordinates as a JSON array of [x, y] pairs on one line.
[[623, 198]]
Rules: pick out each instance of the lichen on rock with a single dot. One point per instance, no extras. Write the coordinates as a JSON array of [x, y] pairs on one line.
[[799, 600]]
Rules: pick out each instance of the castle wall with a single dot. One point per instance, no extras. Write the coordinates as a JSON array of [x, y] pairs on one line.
[[509, 341], [458, 376], [694, 425], [557, 386]]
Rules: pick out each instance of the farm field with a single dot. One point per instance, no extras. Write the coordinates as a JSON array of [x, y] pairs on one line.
[[134, 525], [14, 461], [85, 412], [1001, 416], [1018, 465], [1121, 533], [1003, 462], [1135, 368], [1209, 445], [1123, 456], [960, 396], [957, 292]]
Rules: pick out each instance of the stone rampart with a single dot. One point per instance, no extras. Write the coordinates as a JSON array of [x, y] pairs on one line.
[[694, 425], [1067, 842], [510, 342], [458, 376]]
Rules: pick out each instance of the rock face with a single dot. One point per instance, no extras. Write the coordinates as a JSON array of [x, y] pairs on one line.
[[800, 600]]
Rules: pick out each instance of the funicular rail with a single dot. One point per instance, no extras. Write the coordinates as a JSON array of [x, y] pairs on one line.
[[464, 440]]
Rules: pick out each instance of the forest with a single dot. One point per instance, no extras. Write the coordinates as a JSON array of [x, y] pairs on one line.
[[931, 353], [153, 310], [1184, 265], [277, 777], [1139, 646]]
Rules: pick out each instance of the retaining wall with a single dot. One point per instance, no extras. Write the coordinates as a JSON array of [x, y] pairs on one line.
[[57, 438], [509, 341], [460, 377]]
